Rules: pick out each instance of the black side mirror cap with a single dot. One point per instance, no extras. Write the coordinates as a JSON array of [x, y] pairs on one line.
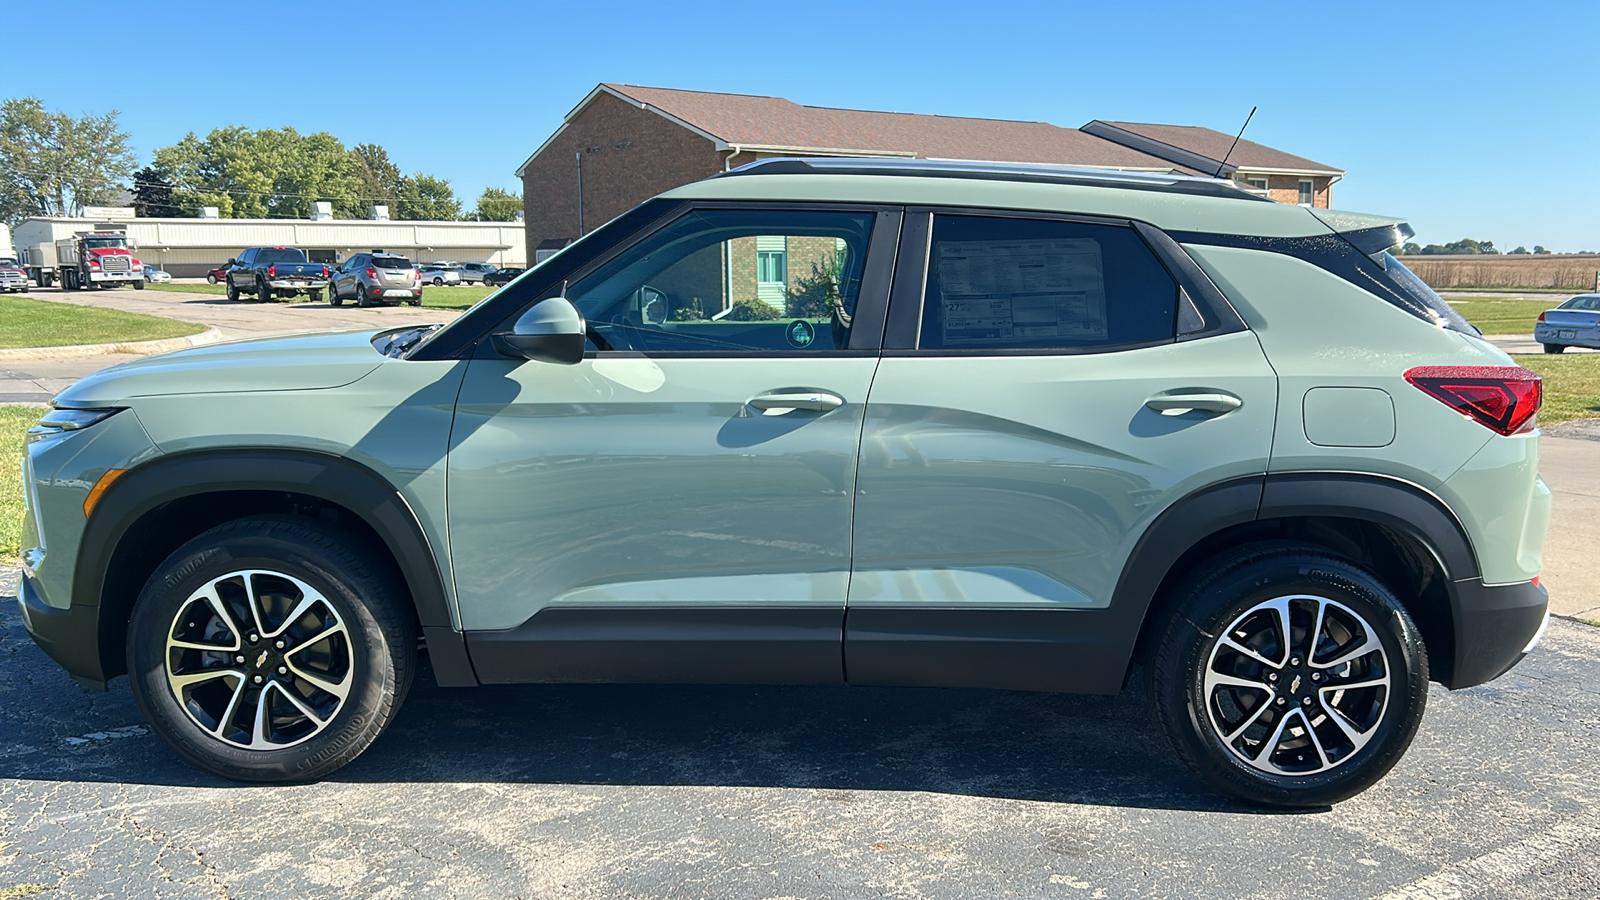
[[562, 349]]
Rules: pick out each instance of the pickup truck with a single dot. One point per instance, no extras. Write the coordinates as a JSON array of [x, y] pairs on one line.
[[270, 272]]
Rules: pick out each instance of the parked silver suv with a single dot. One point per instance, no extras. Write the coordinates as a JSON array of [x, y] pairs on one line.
[[374, 279]]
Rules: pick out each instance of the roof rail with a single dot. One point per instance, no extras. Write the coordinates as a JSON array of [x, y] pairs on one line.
[[1040, 173]]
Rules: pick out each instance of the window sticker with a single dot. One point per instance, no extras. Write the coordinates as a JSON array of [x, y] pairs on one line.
[[995, 292], [800, 334]]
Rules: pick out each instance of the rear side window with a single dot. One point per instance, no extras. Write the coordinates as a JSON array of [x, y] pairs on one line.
[[998, 283]]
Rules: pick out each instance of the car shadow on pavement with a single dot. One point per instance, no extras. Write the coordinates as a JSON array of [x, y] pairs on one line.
[[998, 744]]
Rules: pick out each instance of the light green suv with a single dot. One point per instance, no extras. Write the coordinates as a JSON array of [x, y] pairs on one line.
[[830, 421]]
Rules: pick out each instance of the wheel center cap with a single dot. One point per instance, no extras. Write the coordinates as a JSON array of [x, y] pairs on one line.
[[1294, 686]]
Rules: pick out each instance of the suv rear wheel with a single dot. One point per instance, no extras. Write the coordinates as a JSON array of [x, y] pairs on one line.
[[270, 649], [1288, 676]]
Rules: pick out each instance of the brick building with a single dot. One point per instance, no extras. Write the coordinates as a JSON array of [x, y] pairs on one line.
[[624, 144]]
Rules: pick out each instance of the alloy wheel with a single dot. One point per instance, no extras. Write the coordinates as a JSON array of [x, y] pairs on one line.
[[1296, 685], [259, 659]]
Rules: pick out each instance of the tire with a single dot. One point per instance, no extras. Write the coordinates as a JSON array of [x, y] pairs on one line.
[[333, 296], [263, 293], [438, 282], [233, 292], [363, 299], [211, 279], [1555, 348], [314, 296], [286, 563], [1282, 762], [138, 285]]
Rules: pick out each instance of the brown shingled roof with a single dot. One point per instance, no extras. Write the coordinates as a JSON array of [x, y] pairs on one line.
[[777, 124], [1207, 144]]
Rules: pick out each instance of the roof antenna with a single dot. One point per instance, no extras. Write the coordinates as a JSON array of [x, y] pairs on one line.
[[1235, 143]]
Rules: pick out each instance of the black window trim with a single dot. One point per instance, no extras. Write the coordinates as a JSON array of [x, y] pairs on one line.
[[903, 335], [866, 332]]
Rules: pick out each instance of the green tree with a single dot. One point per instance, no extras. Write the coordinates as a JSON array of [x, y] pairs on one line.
[[258, 174], [152, 195], [378, 180], [424, 197], [1539, 249], [54, 164], [1520, 251], [496, 205]]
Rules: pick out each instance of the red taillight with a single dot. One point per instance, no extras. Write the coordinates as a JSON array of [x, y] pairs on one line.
[[272, 271], [1541, 318], [371, 274], [1503, 399], [325, 273]]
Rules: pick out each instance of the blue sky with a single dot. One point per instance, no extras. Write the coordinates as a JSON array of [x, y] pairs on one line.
[[1478, 120]]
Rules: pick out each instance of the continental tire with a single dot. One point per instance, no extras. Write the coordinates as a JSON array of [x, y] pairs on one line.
[[1288, 676], [271, 649]]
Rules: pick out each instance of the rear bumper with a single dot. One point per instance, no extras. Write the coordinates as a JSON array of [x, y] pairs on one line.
[[1578, 335], [1496, 626], [297, 285], [69, 636]]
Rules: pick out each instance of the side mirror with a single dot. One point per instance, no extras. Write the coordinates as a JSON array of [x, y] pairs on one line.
[[552, 331], [231, 262]]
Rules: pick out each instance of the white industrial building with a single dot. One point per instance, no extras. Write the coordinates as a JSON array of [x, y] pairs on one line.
[[192, 247]]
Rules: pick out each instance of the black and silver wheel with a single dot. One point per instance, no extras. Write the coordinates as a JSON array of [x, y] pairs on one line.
[[270, 649], [1554, 348], [438, 282], [233, 292], [1288, 676], [333, 295], [263, 292], [363, 299]]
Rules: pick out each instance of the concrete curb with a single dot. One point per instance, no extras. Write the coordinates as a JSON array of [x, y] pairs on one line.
[[78, 351]]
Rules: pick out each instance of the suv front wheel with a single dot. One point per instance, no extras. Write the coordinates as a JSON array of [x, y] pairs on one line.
[[1288, 676], [270, 649]]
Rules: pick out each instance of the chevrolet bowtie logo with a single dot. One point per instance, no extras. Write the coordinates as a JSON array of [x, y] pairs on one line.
[[261, 659], [1293, 685]]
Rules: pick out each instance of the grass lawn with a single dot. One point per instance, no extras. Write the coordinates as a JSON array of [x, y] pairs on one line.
[[432, 297], [1571, 385], [1503, 315], [14, 422], [40, 323]]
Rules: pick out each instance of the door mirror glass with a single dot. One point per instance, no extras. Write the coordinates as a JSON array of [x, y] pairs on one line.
[[551, 331]]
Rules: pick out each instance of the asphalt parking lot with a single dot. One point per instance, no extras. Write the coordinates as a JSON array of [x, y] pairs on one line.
[[635, 791]]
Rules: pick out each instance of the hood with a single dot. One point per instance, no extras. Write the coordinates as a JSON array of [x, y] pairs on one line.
[[300, 363], [109, 251]]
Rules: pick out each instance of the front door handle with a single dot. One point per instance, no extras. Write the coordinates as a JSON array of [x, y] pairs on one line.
[[1176, 403], [815, 401]]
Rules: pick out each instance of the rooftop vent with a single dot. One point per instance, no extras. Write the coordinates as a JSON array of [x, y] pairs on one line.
[[379, 213], [208, 212], [322, 211]]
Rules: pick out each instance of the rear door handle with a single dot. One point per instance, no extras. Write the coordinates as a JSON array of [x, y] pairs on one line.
[[815, 401], [1176, 403]]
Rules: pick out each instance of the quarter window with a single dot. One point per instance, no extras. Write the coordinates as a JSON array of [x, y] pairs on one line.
[[1026, 284]]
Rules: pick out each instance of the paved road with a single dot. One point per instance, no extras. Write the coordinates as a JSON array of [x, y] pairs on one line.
[[630, 791], [36, 381]]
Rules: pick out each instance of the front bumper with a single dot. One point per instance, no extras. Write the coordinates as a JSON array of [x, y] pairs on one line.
[[116, 277], [69, 636], [1496, 626]]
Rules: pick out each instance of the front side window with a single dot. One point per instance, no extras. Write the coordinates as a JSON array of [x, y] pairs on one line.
[[1027, 284], [740, 281]]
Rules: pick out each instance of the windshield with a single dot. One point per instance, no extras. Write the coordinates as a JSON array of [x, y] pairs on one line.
[[104, 243], [1418, 290], [280, 255], [8, 262]]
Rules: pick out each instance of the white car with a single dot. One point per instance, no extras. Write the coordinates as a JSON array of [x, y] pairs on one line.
[[154, 274], [439, 274]]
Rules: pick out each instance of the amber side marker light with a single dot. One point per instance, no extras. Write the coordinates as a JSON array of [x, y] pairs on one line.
[[99, 488]]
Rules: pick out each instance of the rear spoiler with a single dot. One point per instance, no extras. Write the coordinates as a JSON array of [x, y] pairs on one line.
[[1369, 234]]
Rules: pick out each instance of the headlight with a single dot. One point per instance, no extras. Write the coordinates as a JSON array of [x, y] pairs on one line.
[[58, 420]]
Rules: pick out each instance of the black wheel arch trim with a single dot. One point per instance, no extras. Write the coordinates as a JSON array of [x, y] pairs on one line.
[[328, 477]]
